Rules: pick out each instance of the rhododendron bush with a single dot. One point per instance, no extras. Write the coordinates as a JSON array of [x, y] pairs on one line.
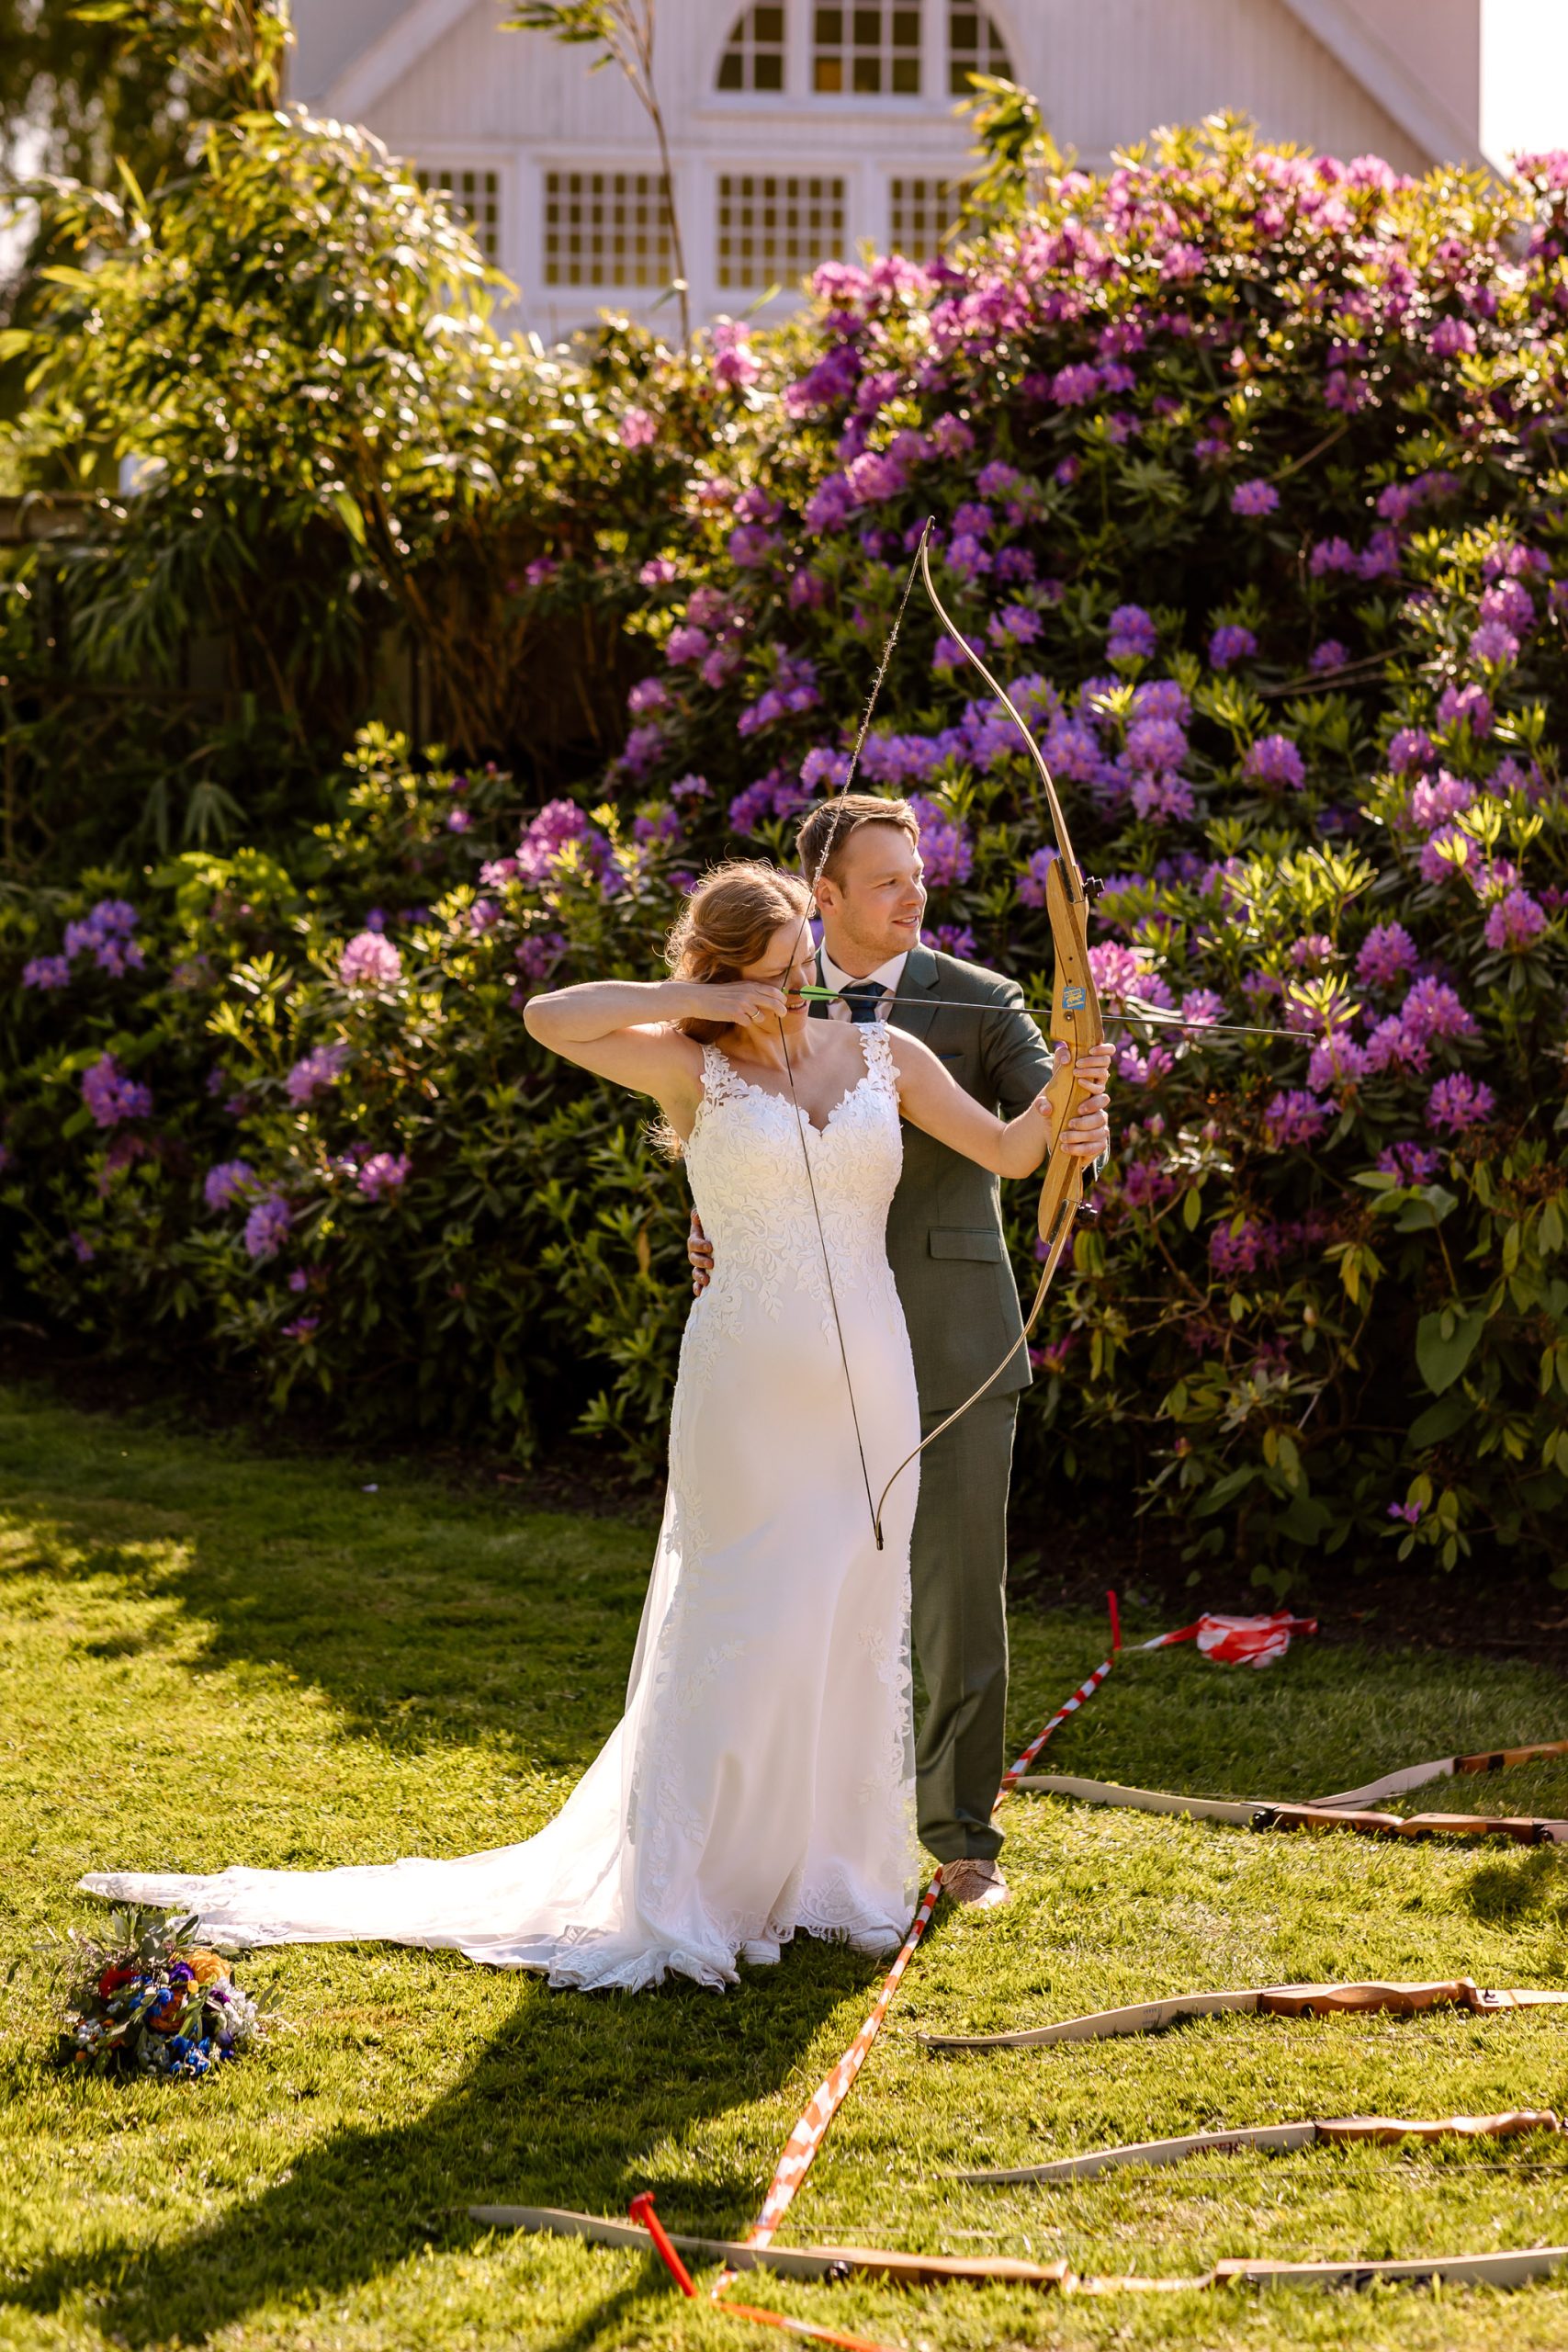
[[1247, 473]]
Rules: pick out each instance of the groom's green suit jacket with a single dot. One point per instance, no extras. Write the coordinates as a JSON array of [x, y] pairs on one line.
[[945, 1229]]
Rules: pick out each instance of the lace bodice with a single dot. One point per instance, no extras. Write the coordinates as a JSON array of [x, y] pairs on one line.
[[747, 1165]]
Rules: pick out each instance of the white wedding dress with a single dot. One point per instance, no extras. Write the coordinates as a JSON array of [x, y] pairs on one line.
[[760, 1780]]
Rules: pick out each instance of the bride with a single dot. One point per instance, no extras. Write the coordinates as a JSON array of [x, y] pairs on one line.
[[760, 1780]]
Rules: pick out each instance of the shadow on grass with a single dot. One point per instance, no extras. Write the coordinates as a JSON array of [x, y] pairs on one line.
[[552, 2112], [422, 1619]]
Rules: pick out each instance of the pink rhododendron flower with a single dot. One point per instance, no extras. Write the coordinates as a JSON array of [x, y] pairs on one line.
[[1296, 1117], [369, 961], [383, 1173], [637, 428], [1387, 955], [1514, 923], [1460, 1101], [318, 1068], [110, 1096], [1274, 759]]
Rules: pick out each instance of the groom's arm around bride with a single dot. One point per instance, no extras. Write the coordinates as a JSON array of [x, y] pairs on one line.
[[960, 1301]]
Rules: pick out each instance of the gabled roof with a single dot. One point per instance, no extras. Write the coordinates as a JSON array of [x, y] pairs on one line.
[[368, 77], [1387, 76]]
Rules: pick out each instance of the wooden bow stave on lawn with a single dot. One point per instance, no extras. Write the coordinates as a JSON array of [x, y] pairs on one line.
[[1269, 1812], [1259, 2000], [1274, 2139], [838, 2262]]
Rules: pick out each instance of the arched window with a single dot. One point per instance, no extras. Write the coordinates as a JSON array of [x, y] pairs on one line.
[[869, 49], [754, 54], [974, 46]]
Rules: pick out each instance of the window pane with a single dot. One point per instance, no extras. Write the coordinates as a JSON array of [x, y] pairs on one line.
[[974, 46], [828, 73], [606, 229], [775, 227], [753, 59]]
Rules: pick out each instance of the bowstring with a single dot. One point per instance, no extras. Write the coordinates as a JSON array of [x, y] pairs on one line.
[[809, 909]]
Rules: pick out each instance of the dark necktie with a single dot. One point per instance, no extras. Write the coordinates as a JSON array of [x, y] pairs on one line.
[[864, 998]]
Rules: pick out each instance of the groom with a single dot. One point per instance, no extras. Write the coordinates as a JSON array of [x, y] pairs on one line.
[[950, 1262]]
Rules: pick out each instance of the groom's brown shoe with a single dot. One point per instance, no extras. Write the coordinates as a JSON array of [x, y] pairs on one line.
[[971, 1880]]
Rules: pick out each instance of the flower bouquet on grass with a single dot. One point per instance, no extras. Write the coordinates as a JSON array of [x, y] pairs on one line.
[[145, 2001]]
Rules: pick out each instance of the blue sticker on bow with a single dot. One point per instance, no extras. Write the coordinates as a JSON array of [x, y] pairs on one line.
[[1074, 1000]]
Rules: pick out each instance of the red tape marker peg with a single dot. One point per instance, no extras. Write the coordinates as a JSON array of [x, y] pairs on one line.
[[642, 2213], [1115, 1624]]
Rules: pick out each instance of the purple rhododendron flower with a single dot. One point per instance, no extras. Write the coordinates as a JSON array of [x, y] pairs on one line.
[[267, 1227], [1203, 1007], [458, 820], [685, 646], [557, 823], [304, 1327], [1339, 1061], [1387, 955], [1031, 881], [1510, 601], [1412, 747], [1450, 336], [656, 572], [1014, 624], [1495, 642], [1514, 923], [954, 939], [823, 767], [1131, 634], [1331, 555], [1296, 1117], [1446, 854], [320, 1068], [1165, 795], [649, 695], [1437, 799], [47, 972], [110, 1096], [1460, 1101], [1155, 743], [945, 845], [1117, 971], [1411, 1162], [483, 915], [538, 955], [1255, 497], [105, 932], [1465, 707], [1230, 644], [383, 1173], [226, 1182], [1072, 385], [369, 961], [1274, 759], [1330, 655], [1432, 1009]]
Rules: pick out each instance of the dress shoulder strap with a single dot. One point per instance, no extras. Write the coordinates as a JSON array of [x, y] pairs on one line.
[[721, 1080], [876, 1043]]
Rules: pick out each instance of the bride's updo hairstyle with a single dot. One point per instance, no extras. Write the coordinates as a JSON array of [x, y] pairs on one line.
[[727, 923]]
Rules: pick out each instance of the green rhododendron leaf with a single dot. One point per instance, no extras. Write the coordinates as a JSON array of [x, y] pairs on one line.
[[1442, 1354]]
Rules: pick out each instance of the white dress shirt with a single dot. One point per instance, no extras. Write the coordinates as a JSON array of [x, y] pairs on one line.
[[888, 974]]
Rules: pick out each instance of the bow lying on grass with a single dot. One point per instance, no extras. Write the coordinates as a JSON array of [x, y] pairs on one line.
[[837, 2262], [1257, 2000], [1266, 1812], [1380, 2130], [1417, 1776]]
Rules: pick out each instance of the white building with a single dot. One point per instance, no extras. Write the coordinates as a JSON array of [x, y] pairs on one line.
[[800, 129]]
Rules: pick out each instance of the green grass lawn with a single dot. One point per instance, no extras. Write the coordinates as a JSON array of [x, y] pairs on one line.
[[211, 1657]]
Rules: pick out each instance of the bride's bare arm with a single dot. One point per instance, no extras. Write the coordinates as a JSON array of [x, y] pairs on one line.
[[624, 1030], [930, 1098]]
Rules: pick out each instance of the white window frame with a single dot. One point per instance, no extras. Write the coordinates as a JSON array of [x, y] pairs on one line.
[[999, 17], [904, 101], [762, 167], [713, 95], [560, 295], [443, 163]]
